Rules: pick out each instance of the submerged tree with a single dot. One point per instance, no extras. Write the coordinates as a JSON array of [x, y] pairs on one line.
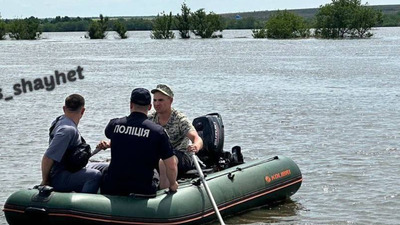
[[285, 25], [346, 18], [259, 33], [25, 29], [120, 28], [364, 19], [162, 27], [205, 25], [183, 21], [2, 30], [97, 28]]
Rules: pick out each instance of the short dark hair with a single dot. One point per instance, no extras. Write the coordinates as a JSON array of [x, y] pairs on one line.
[[74, 102]]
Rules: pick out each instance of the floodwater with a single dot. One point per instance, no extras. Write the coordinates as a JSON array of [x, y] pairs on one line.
[[330, 105]]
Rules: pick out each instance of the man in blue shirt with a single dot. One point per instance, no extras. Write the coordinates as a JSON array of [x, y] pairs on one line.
[[64, 136], [137, 145]]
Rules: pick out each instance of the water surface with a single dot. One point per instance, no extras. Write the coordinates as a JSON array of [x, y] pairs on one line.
[[330, 105]]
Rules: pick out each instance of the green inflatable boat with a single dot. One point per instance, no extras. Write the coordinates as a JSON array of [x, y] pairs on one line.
[[235, 190], [236, 186]]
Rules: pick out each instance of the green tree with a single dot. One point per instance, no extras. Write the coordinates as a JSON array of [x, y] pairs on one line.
[[2, 30], [285, 25], [182, 22], [120, 28], [259, 33], [346, 18], [364, 19], [205, 25], [162, 27], [25, 29], [97, 28]]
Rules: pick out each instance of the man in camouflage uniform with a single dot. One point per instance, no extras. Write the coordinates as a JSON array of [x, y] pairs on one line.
[[180, 130]]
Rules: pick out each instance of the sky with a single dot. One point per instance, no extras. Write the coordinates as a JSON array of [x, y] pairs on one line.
[[12, 9]]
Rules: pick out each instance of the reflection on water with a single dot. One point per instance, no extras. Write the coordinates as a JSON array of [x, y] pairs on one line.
[[280, 212], [330, 105]]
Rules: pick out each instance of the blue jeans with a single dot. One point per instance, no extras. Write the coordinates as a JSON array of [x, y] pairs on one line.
[[86, 180], [100, 166]]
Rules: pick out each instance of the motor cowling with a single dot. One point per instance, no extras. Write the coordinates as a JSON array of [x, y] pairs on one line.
[[211, 129]]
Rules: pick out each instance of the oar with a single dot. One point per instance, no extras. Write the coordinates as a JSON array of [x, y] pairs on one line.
[[103, 143], [196, 163], [95, 151]]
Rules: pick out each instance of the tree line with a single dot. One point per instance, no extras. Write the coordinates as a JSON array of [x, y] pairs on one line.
[[338, 19]]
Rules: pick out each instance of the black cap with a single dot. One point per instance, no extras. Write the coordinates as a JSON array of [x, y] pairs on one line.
[[141, 96]]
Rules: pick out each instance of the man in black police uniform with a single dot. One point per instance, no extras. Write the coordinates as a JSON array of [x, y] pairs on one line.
[[137, 144]]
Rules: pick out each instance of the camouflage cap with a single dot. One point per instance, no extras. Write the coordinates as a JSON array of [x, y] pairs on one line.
[[163, 88]]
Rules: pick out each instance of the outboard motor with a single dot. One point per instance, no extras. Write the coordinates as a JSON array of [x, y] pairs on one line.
[[211, 129]]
